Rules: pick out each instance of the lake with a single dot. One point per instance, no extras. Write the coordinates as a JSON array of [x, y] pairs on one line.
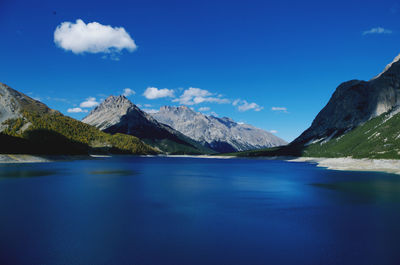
[[163, 210]]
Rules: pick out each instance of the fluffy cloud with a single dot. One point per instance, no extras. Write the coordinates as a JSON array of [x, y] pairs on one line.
[[281, 109], [192, 96], [204, 109], [243, 105], [377, 30], [89, 103], [273, 131], [128, 92], [93, 37], [76, 110], [154, 93]]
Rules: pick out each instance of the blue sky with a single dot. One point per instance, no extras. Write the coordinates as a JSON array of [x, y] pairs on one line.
[[268, 63]]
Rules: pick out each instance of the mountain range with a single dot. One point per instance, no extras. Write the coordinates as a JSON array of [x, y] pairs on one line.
[[220, 134], [117, 114]]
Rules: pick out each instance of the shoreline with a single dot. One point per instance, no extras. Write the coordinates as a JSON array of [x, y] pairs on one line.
[[25, 158], [352, 164], [342, 164]]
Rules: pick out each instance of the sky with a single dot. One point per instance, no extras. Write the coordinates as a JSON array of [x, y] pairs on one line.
[[272, 64]]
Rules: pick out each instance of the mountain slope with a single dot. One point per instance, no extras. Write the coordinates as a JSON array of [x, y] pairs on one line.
[[29, 126], [220, 134], [119, 115], [361, 120], [355, 102]]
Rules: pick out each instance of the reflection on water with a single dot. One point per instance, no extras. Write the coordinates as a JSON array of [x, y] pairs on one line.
[[369, 190], [22, 172]]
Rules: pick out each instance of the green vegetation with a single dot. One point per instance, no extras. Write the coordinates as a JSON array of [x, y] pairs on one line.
[[53, 133], [378, 138], [179, 147]]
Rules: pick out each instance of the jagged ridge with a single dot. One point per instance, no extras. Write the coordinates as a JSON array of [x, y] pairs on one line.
[[220, 134]]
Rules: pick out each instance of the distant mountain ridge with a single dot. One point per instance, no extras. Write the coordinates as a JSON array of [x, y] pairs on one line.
[[117, 114], [220, 134]]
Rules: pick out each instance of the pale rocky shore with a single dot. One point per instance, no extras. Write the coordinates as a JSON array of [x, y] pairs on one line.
[[17, 158], [351, 164]]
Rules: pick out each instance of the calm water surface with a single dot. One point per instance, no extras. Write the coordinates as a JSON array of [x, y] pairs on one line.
[[134, 210]]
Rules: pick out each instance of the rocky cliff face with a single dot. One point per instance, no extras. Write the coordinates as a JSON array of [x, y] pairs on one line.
[[355, 102], [220, 134], [119, 115], [14, 103]]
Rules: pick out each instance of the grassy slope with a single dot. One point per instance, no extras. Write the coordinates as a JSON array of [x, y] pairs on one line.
[[53, 133], [377, 138]]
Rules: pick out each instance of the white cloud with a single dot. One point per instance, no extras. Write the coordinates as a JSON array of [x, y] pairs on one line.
[[128, 92], [243, 105], [273, 131], [281, 109], [204, 109], [154, 93], [89, 103], [235, 102], [377, 30], [151, 111], [214, 114], [192, 96], [93, 37], [76, 110]]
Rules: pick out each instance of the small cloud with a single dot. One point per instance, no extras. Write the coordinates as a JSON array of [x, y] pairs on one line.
[[377, 30], [76, 110], [204, 109], [93, 37], [273, 131], [128, 92], [243, 105], [147, 105], [279, 109], [89, 103], [214, 114], [193, 96], [151, 111], [154, 93]]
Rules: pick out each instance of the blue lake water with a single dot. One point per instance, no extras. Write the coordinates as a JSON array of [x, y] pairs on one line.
[[137, 210]]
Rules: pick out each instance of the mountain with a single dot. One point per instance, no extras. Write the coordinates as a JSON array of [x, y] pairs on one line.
[[355, 102], [362, 120], [29, 126], [220, 134], [117, 114]]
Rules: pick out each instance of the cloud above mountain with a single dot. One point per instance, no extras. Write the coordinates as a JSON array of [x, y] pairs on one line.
[[89, 103], [154, 93], [76, 110], [93, 37], [128, 92], [243, 105], [193, 96]]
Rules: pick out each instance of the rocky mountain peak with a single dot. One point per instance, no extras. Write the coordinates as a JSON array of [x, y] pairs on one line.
[[221, 134], [395, 60]]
